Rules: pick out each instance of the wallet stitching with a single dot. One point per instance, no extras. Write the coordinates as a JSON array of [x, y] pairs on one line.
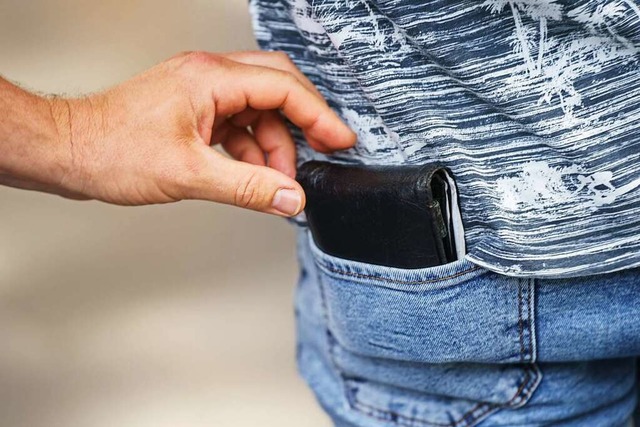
[[400, 281]]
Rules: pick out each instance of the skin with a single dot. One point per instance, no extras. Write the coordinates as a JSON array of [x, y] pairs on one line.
[[149, 139]]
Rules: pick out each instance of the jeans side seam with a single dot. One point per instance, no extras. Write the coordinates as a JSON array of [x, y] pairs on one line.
[[529, 355], [532, 321], [526, 321], [520, 323], [528, 345]]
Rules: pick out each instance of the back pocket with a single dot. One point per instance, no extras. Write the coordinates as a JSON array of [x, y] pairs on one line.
[[440, 346]]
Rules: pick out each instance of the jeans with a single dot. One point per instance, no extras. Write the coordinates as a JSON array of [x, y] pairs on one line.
[[460, 346]]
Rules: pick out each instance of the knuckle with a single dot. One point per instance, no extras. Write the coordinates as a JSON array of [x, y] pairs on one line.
[[189, 67], [282, 56], [197, 56], [201, 58], [183, 54], [289, 78], [248, 192]]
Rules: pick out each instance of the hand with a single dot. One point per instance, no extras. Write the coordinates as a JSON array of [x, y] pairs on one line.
[[148, 140]]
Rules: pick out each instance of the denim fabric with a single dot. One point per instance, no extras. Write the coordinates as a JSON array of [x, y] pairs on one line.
[[461, 346]]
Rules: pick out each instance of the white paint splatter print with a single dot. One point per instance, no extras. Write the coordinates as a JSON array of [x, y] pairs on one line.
[[556, 74], [538, 186], [373, 132], [537, 10], [601, 190], [541, 186], [303, 17]]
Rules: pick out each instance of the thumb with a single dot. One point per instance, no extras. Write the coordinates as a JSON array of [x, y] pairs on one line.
[[259, 188]]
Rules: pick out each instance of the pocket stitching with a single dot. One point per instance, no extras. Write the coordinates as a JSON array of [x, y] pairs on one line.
[[468, 418], [410, 421], [398, 281]]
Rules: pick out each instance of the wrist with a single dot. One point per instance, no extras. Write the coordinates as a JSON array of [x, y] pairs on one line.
[[74, 121], [60, 117]]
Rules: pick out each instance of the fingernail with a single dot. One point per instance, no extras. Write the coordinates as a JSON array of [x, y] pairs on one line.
[[287, 201]]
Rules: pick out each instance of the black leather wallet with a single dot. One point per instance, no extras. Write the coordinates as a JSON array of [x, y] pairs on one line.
[[398, 216]]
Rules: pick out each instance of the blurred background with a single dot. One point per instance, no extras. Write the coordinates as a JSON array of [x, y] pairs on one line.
[[176, 315]]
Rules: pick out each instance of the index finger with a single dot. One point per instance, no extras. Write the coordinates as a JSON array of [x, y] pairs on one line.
[[262, 88], [277, 60]]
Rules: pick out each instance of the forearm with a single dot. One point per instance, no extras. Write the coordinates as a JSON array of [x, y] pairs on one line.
[[34, 135], [148, 139]]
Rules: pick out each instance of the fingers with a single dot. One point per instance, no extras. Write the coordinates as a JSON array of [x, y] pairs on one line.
[[274, 138], [241, 145], [276, 60], [270, 137], [244, 185], [264, 88], [246, 118]]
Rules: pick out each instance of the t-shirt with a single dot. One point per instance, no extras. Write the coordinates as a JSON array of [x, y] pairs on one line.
[[533, 105]]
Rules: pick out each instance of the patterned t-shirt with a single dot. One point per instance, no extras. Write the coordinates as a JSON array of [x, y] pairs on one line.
[[534, 106]]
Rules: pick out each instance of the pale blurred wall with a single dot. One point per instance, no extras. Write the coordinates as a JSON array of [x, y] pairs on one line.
[[175, 315]]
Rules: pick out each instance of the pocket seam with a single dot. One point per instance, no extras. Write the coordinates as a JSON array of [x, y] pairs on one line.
[[328, 266], [468, 419], [398, 281], [408, 421]]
